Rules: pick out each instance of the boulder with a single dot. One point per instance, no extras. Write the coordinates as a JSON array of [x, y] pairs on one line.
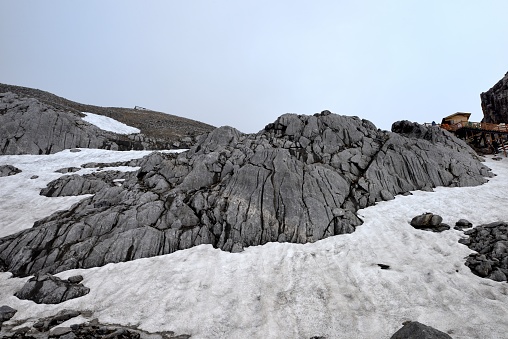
[[48, 289], [416, 330], [8, 170], [6, 313], [429, 222], [301, 179], [463, 223]]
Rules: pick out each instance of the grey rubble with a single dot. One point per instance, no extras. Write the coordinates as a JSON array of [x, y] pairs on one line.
[[299, 180], [495, 102], [28, 126]]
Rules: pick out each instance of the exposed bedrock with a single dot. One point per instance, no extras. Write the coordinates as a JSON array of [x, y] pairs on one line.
[[28, 126], [299, 180], [48, 289], [495, 102], [8, 170]]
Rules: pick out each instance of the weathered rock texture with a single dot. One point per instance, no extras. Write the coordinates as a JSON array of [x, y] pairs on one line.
[[299, 180], [429, 222], [48, 289], [165, 129], [491, 243], [416, 330], [495, 102], [75, 184], [7, 170], [6, 313]]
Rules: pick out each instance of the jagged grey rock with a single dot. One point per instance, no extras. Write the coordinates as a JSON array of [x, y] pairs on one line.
[[416, 330], [6, 313], [48, 289], [490, 241], [8, 170], [495, 102], [28, 126], [299, 180]]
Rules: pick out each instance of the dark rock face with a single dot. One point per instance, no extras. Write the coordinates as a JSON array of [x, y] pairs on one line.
[[429, 222], [28, 126], [7, 170], [495, 102], [416, 330], [48, 289], [300, 180], [72, 185], [491, 243], [6, 313]]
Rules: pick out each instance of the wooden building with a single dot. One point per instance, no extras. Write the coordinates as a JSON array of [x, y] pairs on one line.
[[455, 118]]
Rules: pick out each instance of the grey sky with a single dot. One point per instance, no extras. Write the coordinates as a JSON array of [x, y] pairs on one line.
[[244, 63]]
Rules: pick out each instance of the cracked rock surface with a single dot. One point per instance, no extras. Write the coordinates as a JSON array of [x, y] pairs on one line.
[[299, 180], [48, 289], [490, 241], [7, 170], [495, 102], [28, 126]]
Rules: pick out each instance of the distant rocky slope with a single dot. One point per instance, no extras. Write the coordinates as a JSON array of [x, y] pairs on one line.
[[301, 179], [38, 122], [495, 102]]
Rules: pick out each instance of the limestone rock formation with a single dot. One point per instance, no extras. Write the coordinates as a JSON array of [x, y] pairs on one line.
[[7, 170], [6, 313], [28, 126], [495, 102], [300, 180], [416, 330], [490, 241], [48, 289]]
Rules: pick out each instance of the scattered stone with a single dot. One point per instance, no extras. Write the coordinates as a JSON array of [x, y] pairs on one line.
[[8, 170], [384, 266], [462, 224], [58, 331], [429, 222], [34, 177], [75, 150], [48, 289], [75, 279], [490, 241], [6, 313], [416, 330]]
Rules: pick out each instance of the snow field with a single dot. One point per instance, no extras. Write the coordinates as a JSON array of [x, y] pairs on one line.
[[109, 124], [332, 288]]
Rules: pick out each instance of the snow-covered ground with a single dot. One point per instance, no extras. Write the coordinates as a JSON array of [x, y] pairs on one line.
[[109, 124], [332, 288]]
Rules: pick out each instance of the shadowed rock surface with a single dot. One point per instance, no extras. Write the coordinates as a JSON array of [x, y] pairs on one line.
[[495, 102], [28, 126], [7, 170], [491, 243], [48, 289], [416, 330], [300, 180], [429, 222]]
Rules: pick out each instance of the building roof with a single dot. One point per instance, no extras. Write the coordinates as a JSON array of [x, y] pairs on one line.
[[458, 113]]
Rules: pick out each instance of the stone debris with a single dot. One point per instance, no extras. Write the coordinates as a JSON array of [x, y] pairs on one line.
[[429, 222], [416, 330], [490, 241]]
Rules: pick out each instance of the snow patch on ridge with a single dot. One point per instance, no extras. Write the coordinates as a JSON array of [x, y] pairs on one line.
[[109, 124]]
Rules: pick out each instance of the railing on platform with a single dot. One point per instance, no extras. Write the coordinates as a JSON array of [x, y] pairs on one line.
[[476, 125]]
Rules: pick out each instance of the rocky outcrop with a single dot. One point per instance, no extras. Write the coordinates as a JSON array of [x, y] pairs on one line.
[[299, 180], [416, 330], [28, 126], [429, 222], [75, 184], [7, 170], [495, 102], [161, 129], [491, 244], [6, 313], [48, 289]]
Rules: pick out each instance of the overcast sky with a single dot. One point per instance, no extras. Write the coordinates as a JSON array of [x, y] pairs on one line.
[[243, 63]]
